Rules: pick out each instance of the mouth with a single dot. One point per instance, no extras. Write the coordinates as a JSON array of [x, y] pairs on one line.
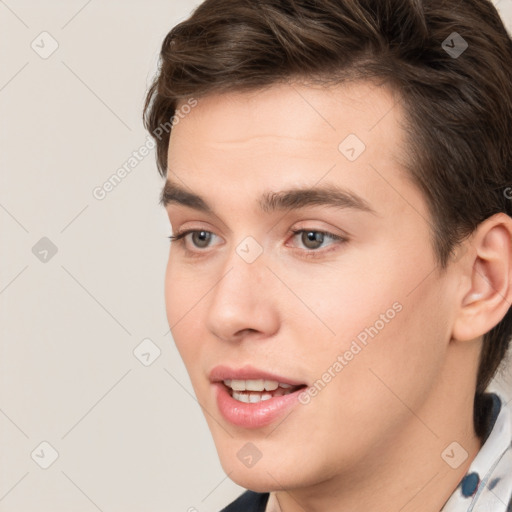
[[253, 391], [253, 398]]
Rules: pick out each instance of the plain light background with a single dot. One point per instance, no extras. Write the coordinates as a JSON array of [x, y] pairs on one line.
[[81, 280]]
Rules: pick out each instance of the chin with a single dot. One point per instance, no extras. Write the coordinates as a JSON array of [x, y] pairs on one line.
[[257, 480], [264, 476]]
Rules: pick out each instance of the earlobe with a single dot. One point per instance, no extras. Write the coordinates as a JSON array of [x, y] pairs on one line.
[[489, 271]]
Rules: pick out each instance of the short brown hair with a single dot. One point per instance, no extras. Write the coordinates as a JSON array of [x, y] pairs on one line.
[[458, 108]]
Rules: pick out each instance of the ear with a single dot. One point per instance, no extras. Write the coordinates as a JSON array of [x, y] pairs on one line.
[[487, 283]]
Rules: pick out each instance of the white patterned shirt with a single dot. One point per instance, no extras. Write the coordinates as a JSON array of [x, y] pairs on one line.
[[487, 486]]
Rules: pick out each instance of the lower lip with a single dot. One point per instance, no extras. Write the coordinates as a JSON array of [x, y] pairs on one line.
[[253, 415]]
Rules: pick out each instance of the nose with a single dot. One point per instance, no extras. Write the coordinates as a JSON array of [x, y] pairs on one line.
[[244, 300]]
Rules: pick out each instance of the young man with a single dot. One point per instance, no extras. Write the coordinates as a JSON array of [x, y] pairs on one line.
[[339, 286]]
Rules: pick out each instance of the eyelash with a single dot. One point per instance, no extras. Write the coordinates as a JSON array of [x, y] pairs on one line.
[[308, 253]]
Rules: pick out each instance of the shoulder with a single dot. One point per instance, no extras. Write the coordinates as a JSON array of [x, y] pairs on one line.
[[249, 501]]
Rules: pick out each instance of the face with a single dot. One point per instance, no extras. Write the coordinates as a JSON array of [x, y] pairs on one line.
[[339, 302]]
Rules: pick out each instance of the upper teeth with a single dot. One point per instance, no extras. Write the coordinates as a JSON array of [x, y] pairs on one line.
[[255, 385]]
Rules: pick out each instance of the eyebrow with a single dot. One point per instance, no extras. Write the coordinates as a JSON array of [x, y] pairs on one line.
[[270, 201]]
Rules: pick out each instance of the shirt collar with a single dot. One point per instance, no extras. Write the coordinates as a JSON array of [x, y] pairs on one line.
[[487, 485]]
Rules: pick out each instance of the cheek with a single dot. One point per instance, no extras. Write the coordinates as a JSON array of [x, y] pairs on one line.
[[173, 289], [183, 304], [382, 316], [184, 290], [392, 355], [333, 303]]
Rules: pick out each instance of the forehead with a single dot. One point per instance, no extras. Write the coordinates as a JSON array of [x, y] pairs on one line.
[[290, 134], [291, 110]]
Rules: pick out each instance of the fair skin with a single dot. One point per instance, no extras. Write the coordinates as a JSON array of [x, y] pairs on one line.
[[372, 439]]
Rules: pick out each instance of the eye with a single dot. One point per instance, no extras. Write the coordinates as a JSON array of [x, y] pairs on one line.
[[203, 237], [313, 240]]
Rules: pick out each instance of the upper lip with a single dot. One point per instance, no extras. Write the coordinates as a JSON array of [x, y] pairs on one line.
[[248, 372]]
